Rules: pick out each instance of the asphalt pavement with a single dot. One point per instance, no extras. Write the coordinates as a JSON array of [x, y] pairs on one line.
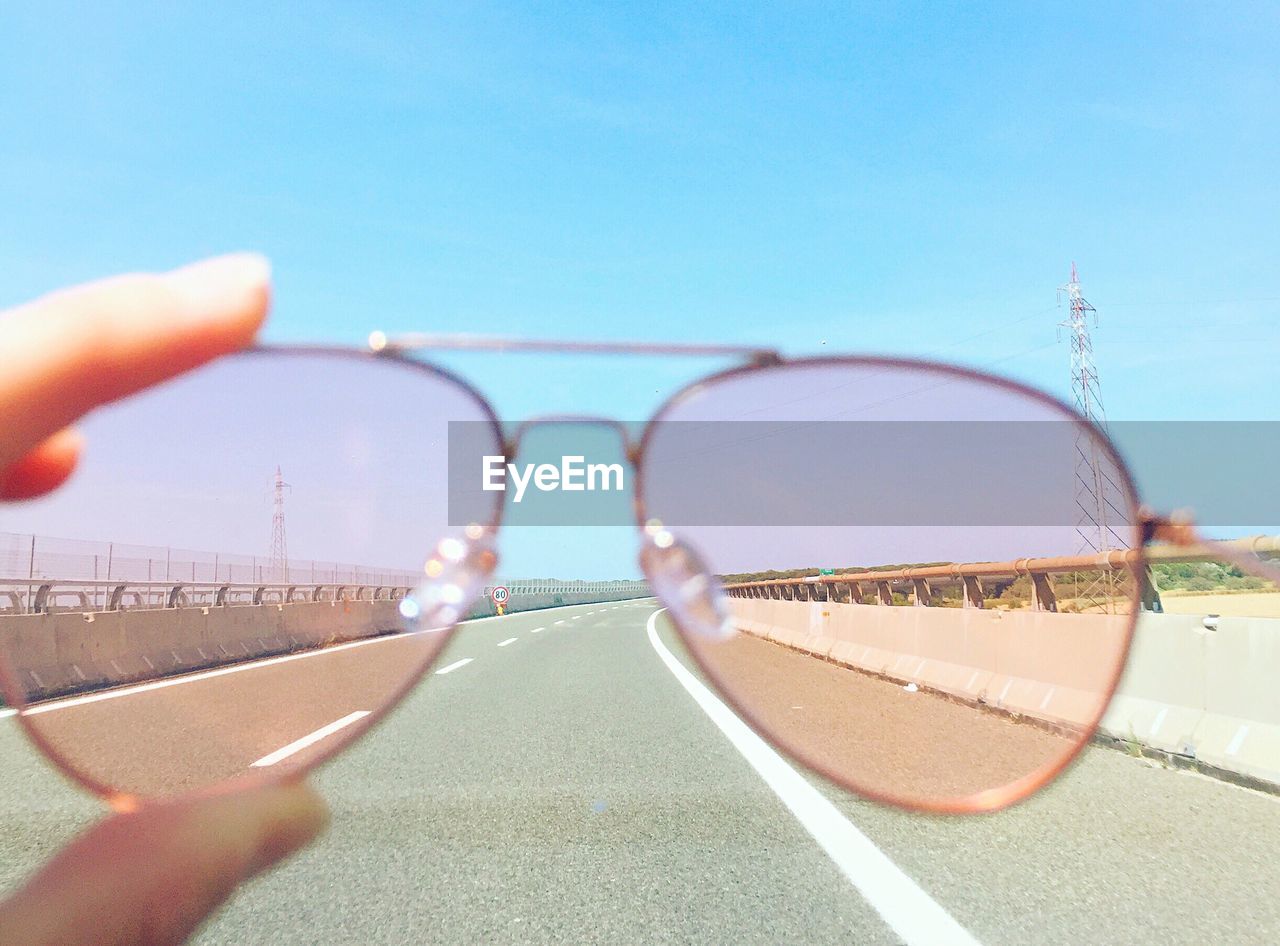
[[567, 785]]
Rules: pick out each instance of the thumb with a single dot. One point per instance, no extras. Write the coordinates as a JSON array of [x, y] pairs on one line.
[[151, 876]]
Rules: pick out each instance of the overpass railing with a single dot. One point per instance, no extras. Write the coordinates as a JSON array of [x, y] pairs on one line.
[[49, 596], [555, 587], [921, 582]]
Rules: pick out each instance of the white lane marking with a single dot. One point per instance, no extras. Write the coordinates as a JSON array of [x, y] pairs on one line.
[[537, 630], [509, 640], [917, 918], [234, 668], [559, 622], [210, 674], [310, 739], [1237, 740], [454, 666]]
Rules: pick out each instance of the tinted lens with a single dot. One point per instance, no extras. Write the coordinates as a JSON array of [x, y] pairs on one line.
[[918, 605], [226, 587]]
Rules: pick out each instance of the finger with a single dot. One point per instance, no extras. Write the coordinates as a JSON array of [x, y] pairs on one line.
[[43, 469], [66, 353], [153, 875]]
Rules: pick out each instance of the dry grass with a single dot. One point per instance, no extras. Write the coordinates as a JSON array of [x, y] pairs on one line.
[[1249, 604]]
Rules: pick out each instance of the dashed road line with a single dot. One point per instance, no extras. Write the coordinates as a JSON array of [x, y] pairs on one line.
[[310, 739], [183, 679], [509, 640], [454, 666], [210, 674]]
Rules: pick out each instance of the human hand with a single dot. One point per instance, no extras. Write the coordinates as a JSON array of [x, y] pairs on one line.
[[148, 876]]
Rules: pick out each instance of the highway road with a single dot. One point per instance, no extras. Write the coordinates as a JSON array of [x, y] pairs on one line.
[[569, 780]]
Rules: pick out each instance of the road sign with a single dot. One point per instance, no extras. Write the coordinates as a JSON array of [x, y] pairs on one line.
[[826, 571], [500, 594]]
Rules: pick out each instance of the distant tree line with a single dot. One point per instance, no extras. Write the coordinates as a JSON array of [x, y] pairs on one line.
[[1204, 576]]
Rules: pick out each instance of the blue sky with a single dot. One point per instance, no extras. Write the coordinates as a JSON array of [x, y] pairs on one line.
[[915, 180]]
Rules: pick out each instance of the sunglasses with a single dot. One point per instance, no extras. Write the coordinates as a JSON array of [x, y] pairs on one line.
[[918, 580]]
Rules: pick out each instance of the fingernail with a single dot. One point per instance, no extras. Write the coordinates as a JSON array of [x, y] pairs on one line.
[[218, 286]]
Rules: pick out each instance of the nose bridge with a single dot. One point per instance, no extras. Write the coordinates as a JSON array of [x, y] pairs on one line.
[[630, 445]]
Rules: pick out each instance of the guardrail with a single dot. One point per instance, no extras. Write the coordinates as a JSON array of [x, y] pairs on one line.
[[68, 636], [921, 580], [51, 596], [523, 587]]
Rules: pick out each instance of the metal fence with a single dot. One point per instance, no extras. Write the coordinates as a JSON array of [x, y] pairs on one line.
[[556, 586], [34, 556], [51, 595], [919, 583]]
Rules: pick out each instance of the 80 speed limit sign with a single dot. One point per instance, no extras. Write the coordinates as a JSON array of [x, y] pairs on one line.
[[500, 594]]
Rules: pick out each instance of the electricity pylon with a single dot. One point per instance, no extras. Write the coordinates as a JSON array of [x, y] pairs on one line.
[[278, 560], [1099, 506]]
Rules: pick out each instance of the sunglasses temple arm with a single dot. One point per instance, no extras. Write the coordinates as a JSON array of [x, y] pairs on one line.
[[1245, 554]]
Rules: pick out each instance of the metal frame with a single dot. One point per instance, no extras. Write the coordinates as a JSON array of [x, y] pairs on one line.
[[423, 341], [402, 352], [1145, 526]]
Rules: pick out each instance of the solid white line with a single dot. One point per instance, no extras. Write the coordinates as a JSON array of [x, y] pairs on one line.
[[174, 681], [208, 674], [454, 666], [917, 918], [509, 640], [299, 744], [237, 668]]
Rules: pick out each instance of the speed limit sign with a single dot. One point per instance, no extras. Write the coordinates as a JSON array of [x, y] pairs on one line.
[[500, 594]]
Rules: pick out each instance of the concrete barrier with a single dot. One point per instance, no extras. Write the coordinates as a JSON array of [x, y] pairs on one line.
[[1241, 727], [1206, 696], [1031, 663], [1161, 699], [69, 652], [65, 652]]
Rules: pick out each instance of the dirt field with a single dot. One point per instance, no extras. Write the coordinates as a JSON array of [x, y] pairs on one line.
[[1261, 604]]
